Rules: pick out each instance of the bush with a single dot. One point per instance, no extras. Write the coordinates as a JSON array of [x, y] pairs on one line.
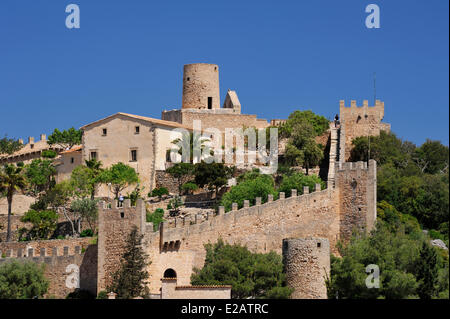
[[156, 218], [189, 187], [22, 280], [159, 192], [87, 233], [44, 223], [260, 186], [298, 181], [102, 295], [250, 274]]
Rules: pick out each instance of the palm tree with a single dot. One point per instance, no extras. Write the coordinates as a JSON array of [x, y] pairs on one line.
[[12, 180], [189, 142], [95, 167]]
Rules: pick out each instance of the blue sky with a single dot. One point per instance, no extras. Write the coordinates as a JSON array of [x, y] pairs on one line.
[[279, 56]]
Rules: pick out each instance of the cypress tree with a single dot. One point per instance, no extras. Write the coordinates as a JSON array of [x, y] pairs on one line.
[[427, 272], [130, 280]]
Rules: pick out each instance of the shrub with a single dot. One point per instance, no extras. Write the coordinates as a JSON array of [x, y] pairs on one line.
[[159, 192], [189, 187], [44, 223], [102, 295], [260, 186], [87, 233], [22, 280], [298, 181], [156, 218]]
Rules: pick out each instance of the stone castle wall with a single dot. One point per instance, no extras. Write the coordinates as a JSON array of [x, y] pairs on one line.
[[57, 255], [114, 227]]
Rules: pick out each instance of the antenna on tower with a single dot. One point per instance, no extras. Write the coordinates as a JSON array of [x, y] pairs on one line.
[[374, 88]]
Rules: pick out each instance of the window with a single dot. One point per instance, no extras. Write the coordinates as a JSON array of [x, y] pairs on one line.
[[134, 155], [318, 245], [71, 160], [188, 79], [209, 103], [93, 155], [170, 273], [136, 130], [105, 131], [31, 146]]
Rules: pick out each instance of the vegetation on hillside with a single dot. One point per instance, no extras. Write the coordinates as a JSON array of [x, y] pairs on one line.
[[250, 275], [22, 280]]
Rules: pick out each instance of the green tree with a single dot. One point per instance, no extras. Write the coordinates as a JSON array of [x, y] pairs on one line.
[[12, 180], [159, 192], [9, 146], [86, 178], [249, 274], [129, 281], [189, 187], [59, 197], [433, 157], [43, 223], [120, 176], [96, 170], [65, 139], [41, 175], [183, 172], [22, 280], [395, 253], [298, 181], [188, 142], [319, 123], [213, 175], [261, 186], [87, 209], [427, 272]]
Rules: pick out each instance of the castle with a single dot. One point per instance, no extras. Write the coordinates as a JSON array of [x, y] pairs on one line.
[[304, 228]]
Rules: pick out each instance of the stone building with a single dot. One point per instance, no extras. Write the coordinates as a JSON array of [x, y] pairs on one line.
[[311, 223], [138, 141], [30, 151], [201, 101]]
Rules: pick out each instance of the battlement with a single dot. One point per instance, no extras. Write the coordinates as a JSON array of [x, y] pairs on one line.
[[44, 248], [34, 254], [172, 235], [348, 112]]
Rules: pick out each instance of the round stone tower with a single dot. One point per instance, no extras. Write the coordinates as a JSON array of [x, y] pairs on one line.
[[201, 86], [307, 265]]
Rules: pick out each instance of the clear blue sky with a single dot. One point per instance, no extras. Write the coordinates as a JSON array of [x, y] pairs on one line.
[[279, 56]]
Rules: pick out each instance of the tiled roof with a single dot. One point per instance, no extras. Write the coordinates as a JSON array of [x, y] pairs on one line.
[[144, 118], [75, 148]]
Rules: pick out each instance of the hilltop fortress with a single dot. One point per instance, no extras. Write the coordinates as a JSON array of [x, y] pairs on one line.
[[304, 228]]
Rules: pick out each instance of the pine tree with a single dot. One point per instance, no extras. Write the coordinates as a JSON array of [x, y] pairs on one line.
[[130, 280], [427, 272]]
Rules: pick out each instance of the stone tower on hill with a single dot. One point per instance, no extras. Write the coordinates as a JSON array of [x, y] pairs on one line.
[[201, 86], [201, 102]]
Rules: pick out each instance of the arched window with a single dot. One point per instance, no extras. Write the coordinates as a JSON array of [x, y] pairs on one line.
[[170, 273]]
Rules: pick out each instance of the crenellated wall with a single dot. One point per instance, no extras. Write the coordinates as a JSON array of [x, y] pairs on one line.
[[62, 258], [359, 121]]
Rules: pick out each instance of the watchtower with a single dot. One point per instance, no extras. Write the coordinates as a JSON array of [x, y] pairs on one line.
[[201, 86]]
